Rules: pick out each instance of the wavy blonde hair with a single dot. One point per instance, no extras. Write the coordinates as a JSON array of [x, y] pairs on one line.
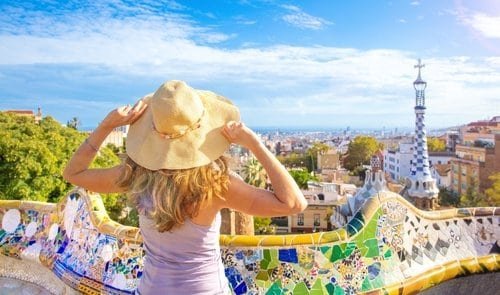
[[175, 194]]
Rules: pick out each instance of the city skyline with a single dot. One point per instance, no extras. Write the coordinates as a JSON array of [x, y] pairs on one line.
[[285, 64]]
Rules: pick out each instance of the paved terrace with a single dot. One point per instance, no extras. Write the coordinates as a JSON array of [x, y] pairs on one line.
[[390, 247]]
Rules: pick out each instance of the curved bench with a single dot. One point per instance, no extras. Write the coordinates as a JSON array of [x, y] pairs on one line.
[[389, 247]]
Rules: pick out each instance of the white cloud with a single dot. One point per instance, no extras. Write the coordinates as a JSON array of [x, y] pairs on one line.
[[402, 20], [415, 3], [315, 83], [298, 18], [488, 26], [485, 24], [241, 20]]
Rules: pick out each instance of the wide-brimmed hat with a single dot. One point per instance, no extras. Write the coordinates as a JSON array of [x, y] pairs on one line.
[[181, 128]]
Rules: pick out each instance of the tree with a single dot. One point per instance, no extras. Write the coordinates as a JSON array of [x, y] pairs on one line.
[[493, 193], [263, 225], [359, 171], [74, 123], [435, 144], [472, 197], [301, 177], [360, 151], [314, 150], [448, 197], [32, 157]]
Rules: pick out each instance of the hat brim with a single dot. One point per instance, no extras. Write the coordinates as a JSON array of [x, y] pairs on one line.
[[196, 148]]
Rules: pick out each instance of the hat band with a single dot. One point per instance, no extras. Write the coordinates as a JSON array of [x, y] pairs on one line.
[[181, 133]]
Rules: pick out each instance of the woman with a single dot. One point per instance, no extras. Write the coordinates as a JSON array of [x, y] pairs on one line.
[[176, 176]]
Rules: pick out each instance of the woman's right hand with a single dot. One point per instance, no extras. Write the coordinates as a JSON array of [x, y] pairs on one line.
[[238, 133], [124, 115]]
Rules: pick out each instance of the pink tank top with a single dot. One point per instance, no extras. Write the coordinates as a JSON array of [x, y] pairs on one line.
[[186, 260]]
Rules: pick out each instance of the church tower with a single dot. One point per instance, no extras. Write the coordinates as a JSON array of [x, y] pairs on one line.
[[422, 189]]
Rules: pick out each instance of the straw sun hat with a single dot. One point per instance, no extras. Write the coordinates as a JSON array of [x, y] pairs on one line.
[[181, 128]]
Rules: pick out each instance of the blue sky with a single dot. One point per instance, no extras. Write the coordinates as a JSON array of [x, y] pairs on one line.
[[284, 63]]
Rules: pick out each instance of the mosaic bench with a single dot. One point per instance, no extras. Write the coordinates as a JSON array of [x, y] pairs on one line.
[[389, 247]]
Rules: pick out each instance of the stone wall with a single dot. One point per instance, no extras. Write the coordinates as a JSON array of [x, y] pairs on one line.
[[389, 247]]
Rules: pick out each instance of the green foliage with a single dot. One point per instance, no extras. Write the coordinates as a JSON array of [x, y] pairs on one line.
[[74, 123], [301, 177], [472, 197], [448, 197], [295, 160], [359, 171], [318, 148], [116, 206], [493, 193], [254, 173], [435, 144], [360, 151], [32, 157], [263, 225]]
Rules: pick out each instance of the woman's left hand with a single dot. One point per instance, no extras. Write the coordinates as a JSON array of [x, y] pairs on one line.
[[124, 115]]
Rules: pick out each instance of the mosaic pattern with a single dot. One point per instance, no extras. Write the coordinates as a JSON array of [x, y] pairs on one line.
[[383, 248]]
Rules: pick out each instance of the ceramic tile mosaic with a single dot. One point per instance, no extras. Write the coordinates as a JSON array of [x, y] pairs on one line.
[[388, 247]]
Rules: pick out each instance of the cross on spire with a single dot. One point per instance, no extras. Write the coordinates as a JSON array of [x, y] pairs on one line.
[[419, 66]]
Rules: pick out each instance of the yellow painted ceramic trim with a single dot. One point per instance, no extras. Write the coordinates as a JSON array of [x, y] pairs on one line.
[[106, 225], [440, 274], [28, 205]]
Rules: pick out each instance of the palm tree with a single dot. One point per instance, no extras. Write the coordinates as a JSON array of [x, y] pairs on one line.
[[254, 173], [74, 123]]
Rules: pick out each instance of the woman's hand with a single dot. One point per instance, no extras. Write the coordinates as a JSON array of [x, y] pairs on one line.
[[124, 115], [237, 132]]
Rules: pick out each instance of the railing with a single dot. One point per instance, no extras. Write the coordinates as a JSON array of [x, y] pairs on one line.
[[390, 247]]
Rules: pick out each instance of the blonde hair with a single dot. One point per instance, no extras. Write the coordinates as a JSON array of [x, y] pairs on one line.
[[175, 194]]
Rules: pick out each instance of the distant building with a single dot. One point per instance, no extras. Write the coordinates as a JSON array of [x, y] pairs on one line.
[[442, 174], [321, 198], [329, 164], [473, 166], [482, 131], [117, 136], [397, 163], [27, 113]]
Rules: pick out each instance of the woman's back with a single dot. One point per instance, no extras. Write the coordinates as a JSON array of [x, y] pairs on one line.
[[185, 260], [176, 136]]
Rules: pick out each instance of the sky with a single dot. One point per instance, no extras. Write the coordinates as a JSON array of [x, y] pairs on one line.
[[328, 64]]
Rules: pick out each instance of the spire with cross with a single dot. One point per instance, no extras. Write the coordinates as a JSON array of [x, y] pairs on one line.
[[419, 86], [419, 66], [423, 186]]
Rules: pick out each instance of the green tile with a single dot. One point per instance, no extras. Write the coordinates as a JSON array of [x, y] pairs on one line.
[[367, 285], [378, 282], [318, 288], [373, 250], [324, 249], [330, 288], [270, 259], [300, 289], [339, 291], [275, 289], [262, 276], [349, 248], [388, 254], [337, 253]]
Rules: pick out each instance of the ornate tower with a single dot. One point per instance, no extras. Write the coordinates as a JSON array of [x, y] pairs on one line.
[[422, 188]]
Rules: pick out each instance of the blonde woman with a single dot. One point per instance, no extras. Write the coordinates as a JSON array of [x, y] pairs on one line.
[[176, 176]]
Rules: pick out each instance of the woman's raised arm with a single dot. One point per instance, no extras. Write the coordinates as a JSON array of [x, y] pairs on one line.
[[286, 197], [104, 180]]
